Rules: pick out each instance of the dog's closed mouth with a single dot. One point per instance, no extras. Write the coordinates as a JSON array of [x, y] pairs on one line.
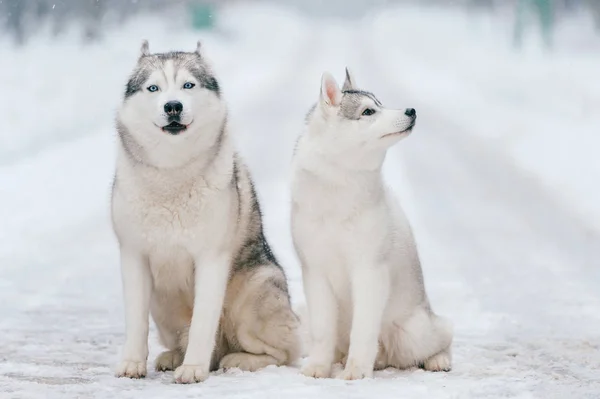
[[405, 131], [174, 128]]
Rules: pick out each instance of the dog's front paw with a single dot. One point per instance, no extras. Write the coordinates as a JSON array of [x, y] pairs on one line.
[[316, 370], [356, 371], [190, 374], [131, 369]]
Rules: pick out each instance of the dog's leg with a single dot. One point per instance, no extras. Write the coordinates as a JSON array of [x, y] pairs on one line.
[[209, 291], [440, 362], [247, 361], [381, 359], [369, 296], [137, 290], [424, 340], [322, 315], [261, 320], [257, 353], [168, 334], [168, 360]]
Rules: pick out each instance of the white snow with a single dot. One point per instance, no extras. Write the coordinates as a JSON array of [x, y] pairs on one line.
[[498, 180]]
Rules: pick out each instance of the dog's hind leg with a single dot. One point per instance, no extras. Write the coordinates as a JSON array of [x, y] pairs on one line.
[[257, 354], [439, 362], [169, 360], [422, 340], [169, 336], [381, 360], [266, 329], [247, 361]]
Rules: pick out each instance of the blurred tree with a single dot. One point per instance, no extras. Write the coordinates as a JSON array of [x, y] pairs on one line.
[[15, 19], [571, 5], [41, 10], [203, 14], [545, 12], [93, 12], [486, 4], [595, 7]]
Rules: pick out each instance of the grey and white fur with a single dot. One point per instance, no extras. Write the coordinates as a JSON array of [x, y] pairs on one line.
[[188, 222], [367, 304]]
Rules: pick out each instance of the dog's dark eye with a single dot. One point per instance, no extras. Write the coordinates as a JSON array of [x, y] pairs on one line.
[[152, 88], [188, 85], [368, 112]]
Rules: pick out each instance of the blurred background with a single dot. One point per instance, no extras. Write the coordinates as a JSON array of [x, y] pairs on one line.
[[499, 178]]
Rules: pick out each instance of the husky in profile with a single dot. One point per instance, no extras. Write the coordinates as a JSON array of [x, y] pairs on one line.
[[367, 305], [188, 223]]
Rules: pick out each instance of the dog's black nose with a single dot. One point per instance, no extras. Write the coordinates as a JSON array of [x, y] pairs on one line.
[[410, 112], [173, 108]]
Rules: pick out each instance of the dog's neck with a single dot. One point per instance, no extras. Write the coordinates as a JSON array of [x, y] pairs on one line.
[[174, 167], [340, 175], [319, 156]]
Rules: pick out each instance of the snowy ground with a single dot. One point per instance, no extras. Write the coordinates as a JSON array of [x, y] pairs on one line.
[[498, 179]]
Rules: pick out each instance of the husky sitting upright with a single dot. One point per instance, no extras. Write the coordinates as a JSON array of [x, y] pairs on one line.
[[367, 304], [188, 222]]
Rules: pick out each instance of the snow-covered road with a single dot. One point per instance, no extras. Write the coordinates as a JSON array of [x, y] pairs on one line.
[[507, 256]]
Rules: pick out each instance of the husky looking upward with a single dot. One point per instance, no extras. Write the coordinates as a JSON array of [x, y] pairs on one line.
[[188, 222], [362, 275]]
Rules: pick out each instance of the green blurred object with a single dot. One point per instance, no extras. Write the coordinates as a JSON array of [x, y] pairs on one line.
[[202, 15], [545, 12]]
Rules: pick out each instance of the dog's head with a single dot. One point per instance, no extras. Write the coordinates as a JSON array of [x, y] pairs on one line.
[[350, 120], [172, 99]]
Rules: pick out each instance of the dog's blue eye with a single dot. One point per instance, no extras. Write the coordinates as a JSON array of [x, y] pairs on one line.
[[188, 85], [152, 88], [368, 112]]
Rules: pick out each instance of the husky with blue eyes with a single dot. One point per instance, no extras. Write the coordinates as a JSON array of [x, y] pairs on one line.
[[367, 304], [188, 222]]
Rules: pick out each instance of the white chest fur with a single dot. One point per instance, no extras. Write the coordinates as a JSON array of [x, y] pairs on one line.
[[162, 213], [339, 218]]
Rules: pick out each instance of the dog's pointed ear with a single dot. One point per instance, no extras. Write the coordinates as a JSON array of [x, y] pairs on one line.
[[199, 48], [349, 83], [330, 91], [145, 49]]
